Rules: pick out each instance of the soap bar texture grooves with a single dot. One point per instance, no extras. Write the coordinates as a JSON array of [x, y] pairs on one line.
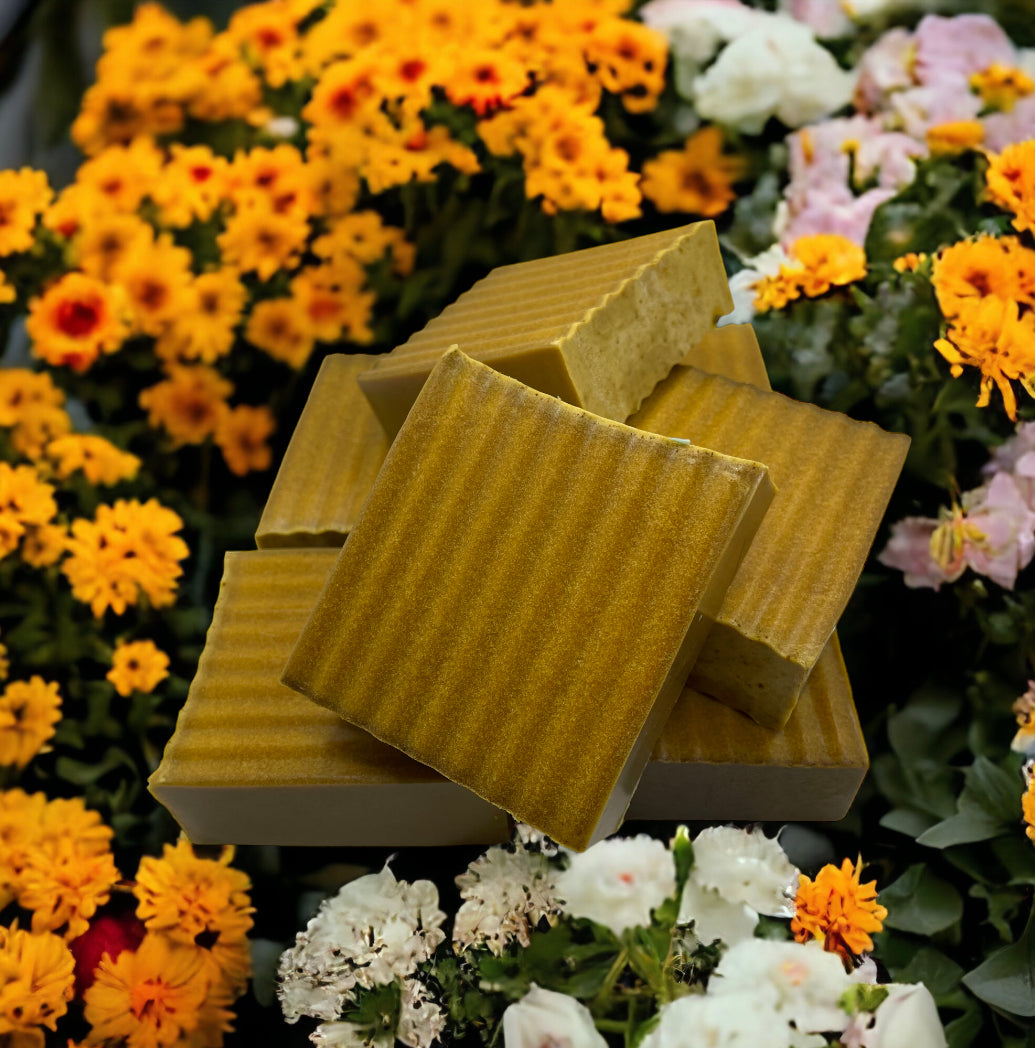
[[598, 328], [252, 762], [523, 594]]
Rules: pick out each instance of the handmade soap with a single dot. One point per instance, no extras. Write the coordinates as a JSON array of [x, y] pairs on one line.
[[253, 762], [598, 328], [522, 596], [713, 763], [731, 351], [334, 454], [834, 477]]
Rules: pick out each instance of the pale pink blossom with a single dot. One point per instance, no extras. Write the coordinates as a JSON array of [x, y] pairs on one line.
[[885, 67], [827, 20], [1004, 129], [951, 49], [919, 108], [909, 551]]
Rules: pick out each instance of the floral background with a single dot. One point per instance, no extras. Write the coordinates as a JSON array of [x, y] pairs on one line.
[[198, 203]]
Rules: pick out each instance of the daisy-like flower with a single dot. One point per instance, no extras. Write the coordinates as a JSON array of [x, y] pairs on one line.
[[966, 272], [547, 1017], [262, 242], [838, 911], [1010, 180], [1028, 807], [129, 550], [189, 404], [697, 179], [76, 320], [282, 328], [44, 544], [156, 277], [200, 903], [26, 501], [104, 241], [485, 79], [137, 666], [123, 175], [24, 195], [363, 237], [206, 331], [100, 461], [828, 260], [151, 997], [28, 712], [629, 59], [192, 185], [242, 435], [36, 981]]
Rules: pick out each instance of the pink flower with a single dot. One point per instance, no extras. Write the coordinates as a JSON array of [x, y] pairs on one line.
[[954, 48], [909, 550], [885, 67], [828, 21], [841, 213], [1017, 457], [922, 107], [1004, 129]]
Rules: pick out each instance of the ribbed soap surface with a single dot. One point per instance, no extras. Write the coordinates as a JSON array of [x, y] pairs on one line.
[[520, 589], [833, 477], [334, 454], [599, 327]]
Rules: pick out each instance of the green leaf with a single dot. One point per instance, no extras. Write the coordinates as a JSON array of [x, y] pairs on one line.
[[989, 806], [1002, 903], [83, 773], [939, 973], [907, 820], [1006, 979], [683, 857], [962, 1032], [964, 828], [921, 902]]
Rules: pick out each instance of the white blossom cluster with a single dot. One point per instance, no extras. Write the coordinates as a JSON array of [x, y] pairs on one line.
[[374, 931], [506, 894]]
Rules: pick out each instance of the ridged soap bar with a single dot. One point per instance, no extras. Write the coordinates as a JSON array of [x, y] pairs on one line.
[[598, 328], [834, 477], [713, 763], [253, 762], [522, 597], [731, 351], [330, 463]]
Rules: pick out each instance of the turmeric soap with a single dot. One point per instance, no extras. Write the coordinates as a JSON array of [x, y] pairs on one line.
[[598, 328], [252, 762], [731, 351], [334, 454], [834, 477], [713, 763], [524, 592]]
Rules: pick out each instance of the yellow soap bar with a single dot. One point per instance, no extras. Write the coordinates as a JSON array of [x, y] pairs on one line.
[[731, 351], [713, 763], [598, 328], [522, 597], [834, 477], [253, 762], [334, 454]]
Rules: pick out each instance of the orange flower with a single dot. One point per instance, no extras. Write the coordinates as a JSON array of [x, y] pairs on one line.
[[1010, 180], [910, 262], [363, 237], [1028, 808], [268, 36], [37, 976], [206, 331], [24, 195], [157, 279], [485, 79], [188, 404], [137, 666], [232, 90], [104, 241], [696, 179], [44, 544], [191, 186], [972, 269], [123, 175], [282, 328], [242, 435], [331, 298], [25, 501], [75, 320], [954, 136], [344, 90], [28, 712], [828, 260], [262, 242], [839, 911], [100, 461], [629, 59]]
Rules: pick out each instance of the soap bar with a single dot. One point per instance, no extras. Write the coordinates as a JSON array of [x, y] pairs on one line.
[[731, 351], [713, 763], [253, 762], [523, 594], [330, 463], [598, 328], [834, 477]]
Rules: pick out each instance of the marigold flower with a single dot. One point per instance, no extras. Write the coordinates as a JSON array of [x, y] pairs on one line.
[[23, 393], [696, 179], [28, 712], [344, 90], [232, 90], [837, 910], [115, 112], [268, 36], [1028, 809], [188, 404], [1010, 181], [25, 500], [36, 984], [485, 79], [262, 242], [971, 269], [24, 195], [137, 666], [242, 434], [74, 205], [827, 260], [64, 887], [281, 328], [100, 461], [157, 279], [206, 331], [629, 59], [75, 320], [910, 262], [363, 237], [199, 902], [151, 997], [129, 550]]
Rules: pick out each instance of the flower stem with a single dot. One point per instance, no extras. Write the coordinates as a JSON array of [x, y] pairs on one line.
[[609, 980]]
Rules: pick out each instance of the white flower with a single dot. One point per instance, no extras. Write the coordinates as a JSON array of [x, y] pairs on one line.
[[618, 882], [421, 1020], [346, 1035], [714, 917], [281, 126], [744, 281], [506, 894], [545, 1019], [734, 1020], [778, 69], [801, 982], [907, 1018], [746, 866]]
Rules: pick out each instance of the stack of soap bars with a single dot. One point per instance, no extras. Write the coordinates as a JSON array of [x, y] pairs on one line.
[[562, 557]]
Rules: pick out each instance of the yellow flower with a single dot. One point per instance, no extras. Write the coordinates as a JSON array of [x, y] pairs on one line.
[[137, 666], [148, 998], [100, 461], [363, 237], [485, 79], [972, 269], [1010, 180], [1028, 808], [25, 501], [74, 206], [157, 278], [194, 900], [629, 59], [242, 434], [260, 241], [270, 180], [64, 887], [331, 299], [954, 136], [188, 404], [281, 328], [268, 36], [207, 329], [75, 320], [910, 262], [28, 712], [697, 179], [838, 911], [344, 91], [123, 175], [5, 662], [37, 976], [129, 550], [24, 195], [1000, 86], [30, 405], [232, 90], [104, 241], [192, 185], [44, 544], [827, 260]]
